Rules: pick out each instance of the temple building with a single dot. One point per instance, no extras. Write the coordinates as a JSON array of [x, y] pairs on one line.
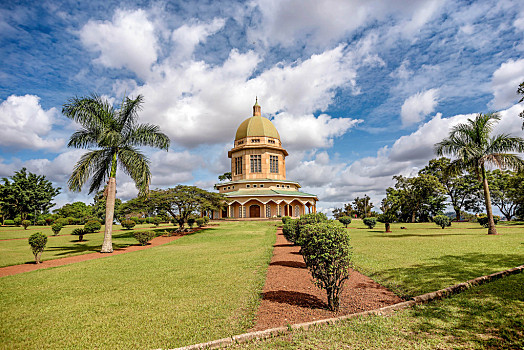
[[258, 186]]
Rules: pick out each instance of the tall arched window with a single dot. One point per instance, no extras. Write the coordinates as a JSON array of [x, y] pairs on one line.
[[297, 210], [268, 210]]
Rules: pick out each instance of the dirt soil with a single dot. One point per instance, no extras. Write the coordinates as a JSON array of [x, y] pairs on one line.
[[290, 297], [16, 269]]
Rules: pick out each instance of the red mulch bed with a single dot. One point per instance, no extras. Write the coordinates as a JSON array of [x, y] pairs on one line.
[[290, 297], [16, 269]]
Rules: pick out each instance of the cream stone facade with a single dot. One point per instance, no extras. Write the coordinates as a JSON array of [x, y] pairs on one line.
[[259, 188]]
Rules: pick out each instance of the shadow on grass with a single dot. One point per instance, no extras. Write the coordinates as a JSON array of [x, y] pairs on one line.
[[404, 235], [444, 271], [294, 298], [294, 264], [283, 245]]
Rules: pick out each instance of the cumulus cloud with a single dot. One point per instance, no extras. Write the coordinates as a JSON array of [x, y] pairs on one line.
[[24, 124], [417, 106], [127, 41], [505, 81], [188, 36]]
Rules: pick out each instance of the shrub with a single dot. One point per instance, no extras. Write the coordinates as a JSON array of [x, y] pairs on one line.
[[135, 219], [286, 219], [92, 226], [200, 222], [327, 253], [149, 220], [483, 220], [345, 220], [49, 221], [56, 227], [289, 230], [26, 224], [442, 221], [370, 222], [80, 232], [37, 241], [17, 221], [141, 220], [62, 221], [387, 218], [128, 224], [71, 220], [206, 219], [144, 236], [9, 222], [156, 221], [191, 221], [41, 222], [292, 228]]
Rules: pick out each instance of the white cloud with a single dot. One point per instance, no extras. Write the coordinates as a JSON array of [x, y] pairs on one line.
[[505, 81], [24, 124], [417, 106], [187, 37], [128, 41], [171, 168]]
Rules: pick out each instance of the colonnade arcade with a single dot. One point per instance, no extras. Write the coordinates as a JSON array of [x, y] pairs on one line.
[[256, 208]]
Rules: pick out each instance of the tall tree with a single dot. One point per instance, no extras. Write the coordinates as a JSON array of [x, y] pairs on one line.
[[26, 193], [362, 206], [346, 211], [114, 134], [505, 186], [474, 148], [461, 188], [520, 91]]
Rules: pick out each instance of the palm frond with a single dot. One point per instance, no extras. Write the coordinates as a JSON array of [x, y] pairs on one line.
[[148, 135], [89, 111], [505, 161], [100, 174], [89, 163], [83, 138], [504, 143], [136, 165], [128, 113]]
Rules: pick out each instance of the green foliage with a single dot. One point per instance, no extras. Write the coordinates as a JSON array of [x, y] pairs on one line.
[[345, 220], [347, 211], [225, 176], [200, 222], [41, 222], [362, 206], [62, 221], [442, 221], [191, 221], [56, 227], [483, 220], [128, 224], [17, 221], [292, 229], [9, 222], [143, 236], [206, 219], [370, 222], [92, 226], [285, 219], [327, 253], [26, 224], [135, 219], [37, 241], [156, 221], [80, 232], [76, 210], [289, 230]]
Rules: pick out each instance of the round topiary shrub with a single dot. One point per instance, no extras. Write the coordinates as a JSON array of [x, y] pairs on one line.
[[17, 221], [442, 221], [200, 222], [92, 226], [370, 222], [41, 222], [62, 221], [26, 224], [345, 220], [128, 224], [483, 220], [9, 222], [156, 221], [149, 220], [191, 222], [144, 236], [80, 232], [135, 219], [206, 219], [141, 220], [37, 241], [56, 227]]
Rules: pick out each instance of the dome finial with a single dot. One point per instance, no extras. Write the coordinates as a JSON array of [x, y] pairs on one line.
[[256, 108]]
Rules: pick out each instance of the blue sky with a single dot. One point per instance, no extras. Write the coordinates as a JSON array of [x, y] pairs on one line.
[[359, 90]]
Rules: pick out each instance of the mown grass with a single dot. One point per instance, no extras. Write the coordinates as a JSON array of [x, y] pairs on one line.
[[197, 288], [489, 316], [17, 251], [423, 257]]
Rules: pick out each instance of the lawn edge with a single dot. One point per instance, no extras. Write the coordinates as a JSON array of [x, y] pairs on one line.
[[418, 300]]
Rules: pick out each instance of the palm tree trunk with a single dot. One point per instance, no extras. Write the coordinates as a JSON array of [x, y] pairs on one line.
[[487, 197], [107, 246]]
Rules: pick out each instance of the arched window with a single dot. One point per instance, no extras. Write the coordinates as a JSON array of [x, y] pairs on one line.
[[297, 210], [268, 210]]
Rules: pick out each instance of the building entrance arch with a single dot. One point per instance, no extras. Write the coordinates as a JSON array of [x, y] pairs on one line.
[[254, 211]]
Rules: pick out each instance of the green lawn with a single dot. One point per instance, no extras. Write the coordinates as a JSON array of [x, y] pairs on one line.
[[197, 288], [18, 251]]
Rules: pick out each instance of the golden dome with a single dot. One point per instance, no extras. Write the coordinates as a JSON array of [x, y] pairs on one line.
[[256, 126]]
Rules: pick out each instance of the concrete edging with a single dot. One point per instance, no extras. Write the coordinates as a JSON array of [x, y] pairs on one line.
[[421, 299]]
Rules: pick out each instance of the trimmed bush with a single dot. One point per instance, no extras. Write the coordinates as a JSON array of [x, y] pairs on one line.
[[26, 224], [9, 222], [206, 219], [483, 220], [80, 232], [191, 221], [37, 241], [289, 230], [200, 222], [345, 220], [144, 236], [62, 221], [41, 222], [370, 222], [135, 219], [128, 224], [56, 228], [17, 221], [141, 220], [92, 226], [156, 221], [286, 219], [442, 221], [387, 219], [49, 221], [327, 253]]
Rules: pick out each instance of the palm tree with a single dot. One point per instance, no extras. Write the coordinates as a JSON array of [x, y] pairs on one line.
[[111, 135], [474, 148]]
